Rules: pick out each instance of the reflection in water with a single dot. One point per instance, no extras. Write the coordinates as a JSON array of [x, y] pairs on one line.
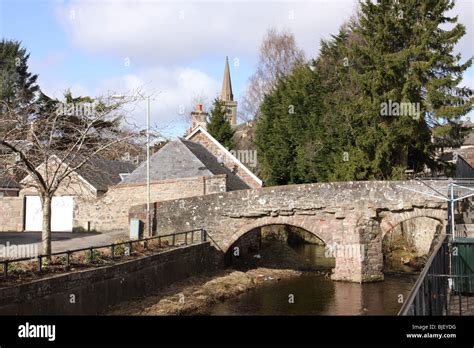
[[314, 254], [315, 294]]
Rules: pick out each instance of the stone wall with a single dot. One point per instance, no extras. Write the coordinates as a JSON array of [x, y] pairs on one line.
[[96, 289], [229, 162], [11, 214], [351, 218], [110, 212]]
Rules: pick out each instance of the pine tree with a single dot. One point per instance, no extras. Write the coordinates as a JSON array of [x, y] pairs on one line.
[[18, 86], [219, 126], [394, 53], [406, 58]]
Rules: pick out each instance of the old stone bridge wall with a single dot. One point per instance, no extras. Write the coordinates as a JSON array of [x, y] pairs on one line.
[[350, 217]]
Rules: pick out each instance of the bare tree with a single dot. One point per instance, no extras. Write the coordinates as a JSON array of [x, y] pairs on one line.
[[197, 98], [52, 140], [278, 56]]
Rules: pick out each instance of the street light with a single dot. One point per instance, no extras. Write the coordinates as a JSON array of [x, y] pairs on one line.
[[148, 164], [148, 198]]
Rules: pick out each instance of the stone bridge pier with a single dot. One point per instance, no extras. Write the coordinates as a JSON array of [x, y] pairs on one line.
[[351, 218]]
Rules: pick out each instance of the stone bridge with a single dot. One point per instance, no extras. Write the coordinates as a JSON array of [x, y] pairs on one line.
[[346, 216]]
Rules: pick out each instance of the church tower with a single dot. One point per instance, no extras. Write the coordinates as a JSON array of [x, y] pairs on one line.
[[227, 97]]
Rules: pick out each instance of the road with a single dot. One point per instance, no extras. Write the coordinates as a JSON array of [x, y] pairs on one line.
[[26, 244]]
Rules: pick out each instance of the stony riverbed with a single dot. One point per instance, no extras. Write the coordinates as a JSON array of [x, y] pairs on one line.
[[198, 293]]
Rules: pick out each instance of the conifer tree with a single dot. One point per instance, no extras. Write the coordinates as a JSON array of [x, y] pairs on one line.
[[383, 97], [18, 87], [290, 140], [219, 126], [407, 59]]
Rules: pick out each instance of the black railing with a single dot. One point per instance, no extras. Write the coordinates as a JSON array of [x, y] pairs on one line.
[[172, 240], [429, 295]]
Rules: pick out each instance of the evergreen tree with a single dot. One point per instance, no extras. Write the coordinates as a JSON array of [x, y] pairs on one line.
[[219, 126], [406, 59], [291, 143], [394, 53], [18, 88]]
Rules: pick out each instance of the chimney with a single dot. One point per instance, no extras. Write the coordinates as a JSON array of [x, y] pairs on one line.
[[198, 117]]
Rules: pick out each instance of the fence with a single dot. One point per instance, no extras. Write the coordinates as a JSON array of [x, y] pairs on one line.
[[429, 295], [173, 239]]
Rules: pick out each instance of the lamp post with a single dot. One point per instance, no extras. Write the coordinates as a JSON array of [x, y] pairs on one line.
[[150, 227]]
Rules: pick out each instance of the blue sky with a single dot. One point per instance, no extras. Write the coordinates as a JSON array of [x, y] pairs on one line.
[[176, 50]]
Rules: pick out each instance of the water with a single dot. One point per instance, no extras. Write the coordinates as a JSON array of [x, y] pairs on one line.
[[315, 294], [315, 255]]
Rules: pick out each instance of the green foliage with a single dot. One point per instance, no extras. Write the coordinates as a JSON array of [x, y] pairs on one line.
[[290, 143], [18, 88], [17, 85], [219, 126], [396, 52], [70, 123], [406, 58]]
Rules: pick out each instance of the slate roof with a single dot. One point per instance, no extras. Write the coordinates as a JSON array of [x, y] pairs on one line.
[[213, 165], [102, 173], [8, 183], [182, 158], [469, 139]]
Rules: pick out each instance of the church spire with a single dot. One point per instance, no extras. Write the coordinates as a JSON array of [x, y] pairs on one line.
[[226, 93]]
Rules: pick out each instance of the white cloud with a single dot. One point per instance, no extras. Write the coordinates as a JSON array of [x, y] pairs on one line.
[[154, 32], [157, 32], [162, 37], [173, 93]]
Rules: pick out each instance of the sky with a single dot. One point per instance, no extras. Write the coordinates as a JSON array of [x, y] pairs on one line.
[[172, 50]]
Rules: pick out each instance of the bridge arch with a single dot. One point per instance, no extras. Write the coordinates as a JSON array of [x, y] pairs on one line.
[[394, 219], [410, 241], [346, 214], [304, 223]]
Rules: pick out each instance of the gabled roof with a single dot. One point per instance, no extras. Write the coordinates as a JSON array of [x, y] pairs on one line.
[[181, 158], [172, 161], [212, 164], [8, 183], [469, 139], [225, 151], [467, 123], [98, 172], [102, 173]]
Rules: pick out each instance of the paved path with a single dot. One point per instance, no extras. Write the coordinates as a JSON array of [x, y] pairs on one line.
[[26, 244]]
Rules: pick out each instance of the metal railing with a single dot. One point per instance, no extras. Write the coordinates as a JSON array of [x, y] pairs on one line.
[[172, 239], [429, 295]]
